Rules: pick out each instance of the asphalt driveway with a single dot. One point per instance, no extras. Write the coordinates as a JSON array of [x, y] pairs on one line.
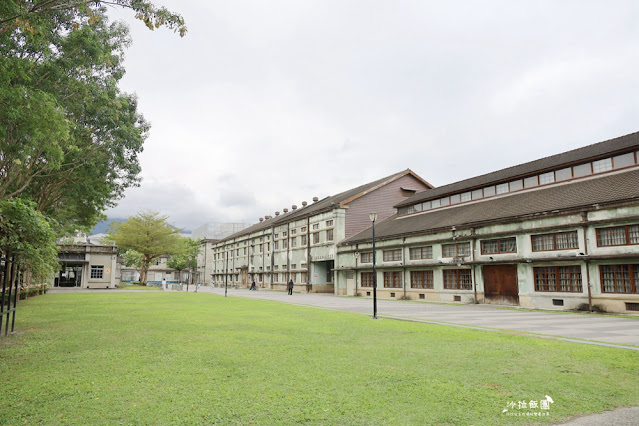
[[586, 328]]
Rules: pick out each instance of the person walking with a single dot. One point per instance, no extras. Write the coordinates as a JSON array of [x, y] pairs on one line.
[[163, 284], [253, 286], [290, 287]]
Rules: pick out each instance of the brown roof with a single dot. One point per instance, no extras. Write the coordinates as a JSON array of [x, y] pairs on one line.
[[622, 187], [587, 153], [325, 204]]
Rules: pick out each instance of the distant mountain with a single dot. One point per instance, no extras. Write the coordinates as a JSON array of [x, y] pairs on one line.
[[102, 226]]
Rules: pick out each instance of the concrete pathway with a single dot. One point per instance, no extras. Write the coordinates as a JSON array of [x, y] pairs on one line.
[[584, 328]]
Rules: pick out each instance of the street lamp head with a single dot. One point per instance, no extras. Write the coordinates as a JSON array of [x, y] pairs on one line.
[[372, 216]]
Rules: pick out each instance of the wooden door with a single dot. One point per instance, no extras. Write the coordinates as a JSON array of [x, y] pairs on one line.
[[500, 284]]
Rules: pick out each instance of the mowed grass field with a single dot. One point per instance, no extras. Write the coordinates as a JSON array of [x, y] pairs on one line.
[[194, 358]]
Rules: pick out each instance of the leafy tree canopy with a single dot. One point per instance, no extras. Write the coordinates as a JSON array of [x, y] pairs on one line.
[[186, 257], [148, 234], [25, 232]]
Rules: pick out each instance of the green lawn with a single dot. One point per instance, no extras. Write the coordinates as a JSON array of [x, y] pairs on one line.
[[174, 357], [125, 286]]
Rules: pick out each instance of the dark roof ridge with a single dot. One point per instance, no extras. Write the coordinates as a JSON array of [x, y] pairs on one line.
[[584, 153]]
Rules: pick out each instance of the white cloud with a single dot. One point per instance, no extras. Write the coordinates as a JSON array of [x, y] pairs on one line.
[[265, 104]]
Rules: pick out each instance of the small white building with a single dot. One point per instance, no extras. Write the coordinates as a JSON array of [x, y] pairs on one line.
[[88, 266]]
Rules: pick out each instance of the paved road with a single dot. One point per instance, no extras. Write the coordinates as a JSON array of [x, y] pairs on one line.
[[590, 328]]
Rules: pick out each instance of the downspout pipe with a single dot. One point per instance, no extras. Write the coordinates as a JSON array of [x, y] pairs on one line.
[[584, 219], [308, 254], [474, 243]]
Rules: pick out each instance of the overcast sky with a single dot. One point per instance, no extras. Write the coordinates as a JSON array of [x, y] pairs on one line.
[[265, 104]]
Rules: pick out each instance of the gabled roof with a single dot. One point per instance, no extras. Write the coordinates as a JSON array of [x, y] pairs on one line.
[[587, 153], [596, 192], [325, 204]]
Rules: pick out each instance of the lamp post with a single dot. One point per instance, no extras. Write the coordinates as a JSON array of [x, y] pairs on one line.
[[373, 218]]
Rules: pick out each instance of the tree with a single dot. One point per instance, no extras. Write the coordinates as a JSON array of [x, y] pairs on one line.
[[150, 235], [186, 258], [69, 138], [25, 233]]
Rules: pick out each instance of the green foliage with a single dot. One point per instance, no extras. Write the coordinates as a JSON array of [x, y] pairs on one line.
[[186, 257], [260, 362], [148, 234], [25, 232]]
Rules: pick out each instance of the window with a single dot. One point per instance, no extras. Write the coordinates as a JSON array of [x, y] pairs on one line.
[[294, 266], [421, 252], [284, 234], [456, 250], [421, 279], [316, 238], [303, 277], [316, 226], [293, 231], [546, 178], [293, 241], [558, 278], [602, 165], [458, 279], [303, 229], [276, 245], [392, 255], [329, 223], [502, 245], [393, 279], [244, 251], [237, 252], [436, 203], [97, 271], [276, 235], [260, 248], [558, 241], [275, 267], [618, 236], [285, 244], [329, 235], [465, 197], [619, 278], [367, 257], [304, 240], [367, 279], [502, 188]]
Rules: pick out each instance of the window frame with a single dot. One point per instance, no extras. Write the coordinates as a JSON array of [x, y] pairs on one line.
[[427, 279], [394, 280], [96, 272], [457, 245], [499, 245], [554, 241], [458, 284], [370, 279], [633, 278], [626, 228], [369, 257], [412, 250], [392, 255], [557, 271]]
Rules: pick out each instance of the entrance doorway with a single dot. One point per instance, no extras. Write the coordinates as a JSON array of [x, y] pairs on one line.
[[500, 284], [69, 276]]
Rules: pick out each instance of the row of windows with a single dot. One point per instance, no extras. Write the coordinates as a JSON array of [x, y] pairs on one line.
[[454, 279], [281, 277], [581, 170], [614, 279], [280, 244]]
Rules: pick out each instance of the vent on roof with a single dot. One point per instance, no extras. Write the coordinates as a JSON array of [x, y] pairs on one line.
[[261, 219], [285, 210], [267, 217], [315, 199], [294, 207], [304, 203], [277, 213]]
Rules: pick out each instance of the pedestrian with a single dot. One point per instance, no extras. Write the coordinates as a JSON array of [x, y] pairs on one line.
[[253, 285], [163, 284], [290, 287]]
